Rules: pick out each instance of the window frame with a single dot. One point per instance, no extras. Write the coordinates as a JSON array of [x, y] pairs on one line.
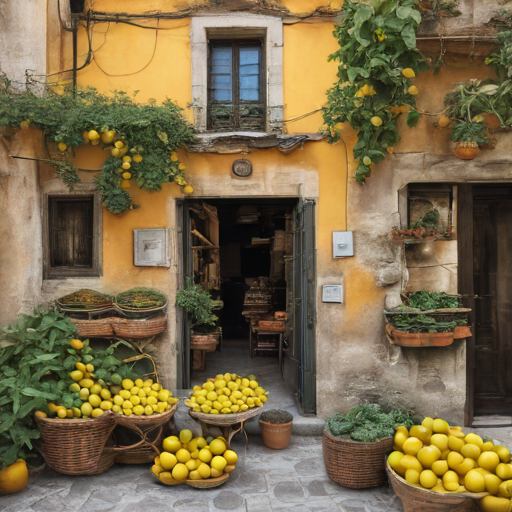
[[236, 43], [230, 26], [96, 270]]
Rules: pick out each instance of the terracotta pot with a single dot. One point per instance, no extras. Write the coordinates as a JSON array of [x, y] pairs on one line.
[[466, 150], [276, 435]]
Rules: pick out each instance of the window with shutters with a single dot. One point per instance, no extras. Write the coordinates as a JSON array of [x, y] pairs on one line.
[[236, 85], [72, 245]]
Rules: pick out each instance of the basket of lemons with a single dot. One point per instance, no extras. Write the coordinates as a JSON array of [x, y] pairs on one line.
[[436, 467], [194, 461]]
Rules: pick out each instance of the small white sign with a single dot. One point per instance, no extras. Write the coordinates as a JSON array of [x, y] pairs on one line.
[[150, 247], [332, 293]]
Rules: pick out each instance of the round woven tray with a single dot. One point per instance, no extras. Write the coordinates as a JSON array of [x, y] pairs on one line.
[[151, 430], [226, 419], [131, 328], [416, 499], [208, 483], [102, 327], [139, 313], [354, 464], [78, 446]]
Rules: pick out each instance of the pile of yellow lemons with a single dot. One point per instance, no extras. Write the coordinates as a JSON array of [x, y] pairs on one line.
[[92, 397], [227, 394], [444, 459], [187, 458]]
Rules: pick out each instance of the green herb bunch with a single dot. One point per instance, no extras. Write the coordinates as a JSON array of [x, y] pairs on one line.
[[141, 298], [35, 361], [427, 301], [198, 303], [424, 324], [377, 59], [150, 131], [368, 423]]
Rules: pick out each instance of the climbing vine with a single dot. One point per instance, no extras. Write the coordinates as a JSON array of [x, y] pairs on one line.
[[140, 140], [377, 60]]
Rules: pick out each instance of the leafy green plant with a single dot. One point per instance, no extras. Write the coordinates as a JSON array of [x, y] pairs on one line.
[[147, 135], [141, 298], [424, 324], [35, 361], [198, 303], [368, 423], [428, 221], [427, 301], [470, 132], [378, 57]]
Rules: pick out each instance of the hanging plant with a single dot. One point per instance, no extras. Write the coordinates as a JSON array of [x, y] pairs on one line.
[[378, 58], [141, 140]]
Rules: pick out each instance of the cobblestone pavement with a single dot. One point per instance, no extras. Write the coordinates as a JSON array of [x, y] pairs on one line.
[[265, 480]]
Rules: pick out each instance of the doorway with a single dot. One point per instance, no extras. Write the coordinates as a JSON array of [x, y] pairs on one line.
[[485, 256], [256, 257]]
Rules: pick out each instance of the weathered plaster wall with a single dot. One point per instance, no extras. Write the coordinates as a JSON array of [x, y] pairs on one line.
[[23, 44]]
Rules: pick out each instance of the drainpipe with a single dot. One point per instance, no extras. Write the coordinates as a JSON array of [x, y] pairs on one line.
[[75, 38]]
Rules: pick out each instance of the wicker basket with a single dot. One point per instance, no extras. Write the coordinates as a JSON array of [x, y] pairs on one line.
[[353, 464], [151, 430], [131, 328], [207, 483], [78, 446], [416, 499], [102, 327]]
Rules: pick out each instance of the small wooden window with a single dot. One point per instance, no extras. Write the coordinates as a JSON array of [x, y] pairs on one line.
[[236, 85], [71, 246]]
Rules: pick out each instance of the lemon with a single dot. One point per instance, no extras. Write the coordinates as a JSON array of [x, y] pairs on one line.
[[95, 389], [503, 453], [205, 455], [138, 410], [107, 137], [77, 413], [180, 472], [494, 504], [105, 394], [217, 446], [61, 412], [93, 135], [231, 457], [253, 384], [215, 473], [489, 461], [106, 405], [454, 459], [97, 412], [137, 158], [40, 414], [440, 467], [412, 476], [183, 455], [204, 470], [77, 375], [127, 404], [134, 399], [168, 460], [119, 144], [163, 395], [188, 189], [427, 479], [411, 462], [148, 410], [201, 442], [455, 444], [474, 481], [117, 409], [157, 469], [408, 73], [244, 407], [14, 478], [376, 121], [125, 165], [127, 158], [94, 400], [413, 90], [84, 393], [156, 386], [125, 394], [62, 146], [185, 436], [422, 433], [451, 481], [24, 125], [218, 463], [411, 446], [504, 471], [174, 156], [193, 464], [470, 450], [181, 167], [86, 383], [440, 440], [116, 153]]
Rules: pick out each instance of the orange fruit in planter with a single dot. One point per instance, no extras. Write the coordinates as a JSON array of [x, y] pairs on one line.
[[14, 478]]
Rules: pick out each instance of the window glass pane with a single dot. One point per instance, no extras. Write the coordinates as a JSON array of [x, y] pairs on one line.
[[249, 79], [222, 69]]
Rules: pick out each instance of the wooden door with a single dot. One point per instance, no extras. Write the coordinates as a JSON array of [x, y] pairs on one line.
[[492, 280]]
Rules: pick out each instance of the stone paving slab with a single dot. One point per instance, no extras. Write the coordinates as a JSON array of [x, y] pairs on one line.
[[265, 480]]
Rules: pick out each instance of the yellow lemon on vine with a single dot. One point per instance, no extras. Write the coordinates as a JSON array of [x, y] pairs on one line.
[[376, 121], [119, 144], [62, 146], [137, 158], [408, 73], [367, 160], [24, 125], [413, 90], [126, 175], [127, 158], [181, 167], [108, 136], [85, 136], [125, 165], [174, 156], [188, 189], [93, 135], [126, 184]]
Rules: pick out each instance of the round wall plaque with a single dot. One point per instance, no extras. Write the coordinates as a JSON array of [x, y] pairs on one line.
[[242, 168]]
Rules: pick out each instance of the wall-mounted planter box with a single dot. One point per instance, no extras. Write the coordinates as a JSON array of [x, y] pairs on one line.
[[419, 235], [425, 339]]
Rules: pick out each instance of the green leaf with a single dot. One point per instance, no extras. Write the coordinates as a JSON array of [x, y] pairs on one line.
[[404, 12], [40, 394], [364, 13], [416, 16], [44, 357], [409, 36], [412, 118]]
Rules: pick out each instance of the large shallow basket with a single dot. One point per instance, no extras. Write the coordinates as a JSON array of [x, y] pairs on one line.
[[415, 499], [354, 464], [78, 446], [151, 429], [222, 420], [208, 483], [102, 327], [131, 328]]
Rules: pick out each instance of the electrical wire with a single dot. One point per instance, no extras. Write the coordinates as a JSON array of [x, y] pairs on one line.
[[140, 70], [300, 117]]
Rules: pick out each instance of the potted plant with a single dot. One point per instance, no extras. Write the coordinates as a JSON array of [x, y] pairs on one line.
[[468, 135], [276, 428], [199, 305], [426, 228], [355, 444]]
